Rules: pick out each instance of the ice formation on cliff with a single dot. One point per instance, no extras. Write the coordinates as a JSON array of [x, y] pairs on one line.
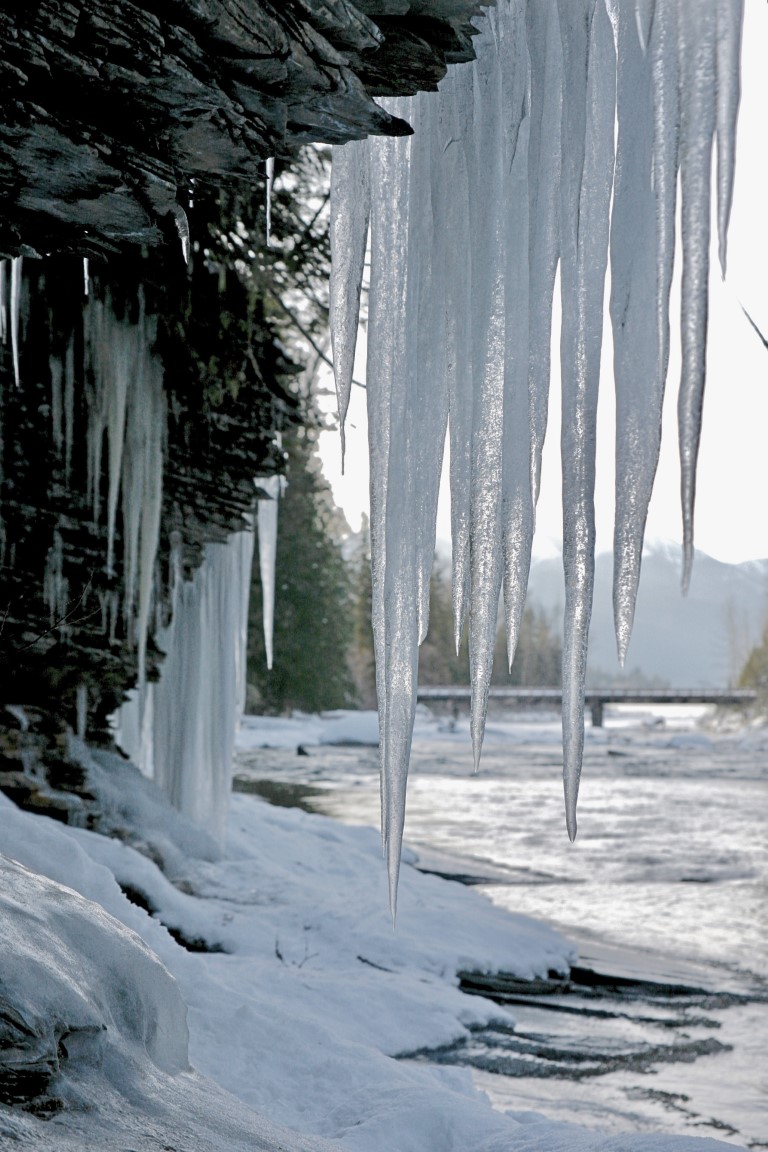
[[561, 144]]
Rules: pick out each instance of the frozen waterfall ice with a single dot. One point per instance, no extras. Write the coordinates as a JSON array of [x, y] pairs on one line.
[[181, 729], [563, 143]]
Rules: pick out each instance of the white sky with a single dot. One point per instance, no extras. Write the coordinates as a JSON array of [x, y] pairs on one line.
[[731, 520]]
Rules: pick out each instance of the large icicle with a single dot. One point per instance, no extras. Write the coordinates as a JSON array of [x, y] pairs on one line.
[[350, 212], [395, 670], [456, 99], [487, 233], [266, 519], [588, 124], [113, 359], [148, 409], [730, 16], [698, 80], [544, 166], [517, 494], [427, 400], [639, 368]]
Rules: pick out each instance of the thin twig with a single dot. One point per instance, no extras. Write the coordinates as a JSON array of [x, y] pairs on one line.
[[67, 617], [765, 342], [322, 355]]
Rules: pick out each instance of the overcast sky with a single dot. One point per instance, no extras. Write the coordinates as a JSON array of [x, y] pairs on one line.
[[732, 488]]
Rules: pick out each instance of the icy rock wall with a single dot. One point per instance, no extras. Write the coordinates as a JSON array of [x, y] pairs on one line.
[[181, 729], [562, 144]]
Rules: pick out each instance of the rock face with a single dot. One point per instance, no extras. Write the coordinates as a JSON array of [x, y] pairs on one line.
[[143, 412], [109, 111]]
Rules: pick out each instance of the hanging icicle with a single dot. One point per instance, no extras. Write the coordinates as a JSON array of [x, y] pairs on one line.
[[3, 311], [270, 167], [16, 264], [640, 254], [266, 520], [182, 227], [350, 210], [511, 170]]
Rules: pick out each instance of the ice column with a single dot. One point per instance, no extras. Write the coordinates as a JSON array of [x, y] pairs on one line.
[[182, 729], [200, 695]]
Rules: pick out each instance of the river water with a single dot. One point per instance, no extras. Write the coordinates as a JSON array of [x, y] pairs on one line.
[[664, 892]]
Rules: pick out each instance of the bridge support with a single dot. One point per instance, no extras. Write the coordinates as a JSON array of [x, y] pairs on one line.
[[597, 713]]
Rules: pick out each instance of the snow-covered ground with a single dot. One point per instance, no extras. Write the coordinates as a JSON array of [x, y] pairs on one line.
[[293, 1023]]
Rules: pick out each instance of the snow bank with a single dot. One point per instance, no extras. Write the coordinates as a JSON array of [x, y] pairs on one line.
[[93, 1029]]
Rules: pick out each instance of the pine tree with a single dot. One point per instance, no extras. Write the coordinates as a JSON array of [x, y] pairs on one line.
[[313, 597], [361, 657]]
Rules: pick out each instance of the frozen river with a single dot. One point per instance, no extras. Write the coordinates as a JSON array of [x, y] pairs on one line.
[[666, 887]]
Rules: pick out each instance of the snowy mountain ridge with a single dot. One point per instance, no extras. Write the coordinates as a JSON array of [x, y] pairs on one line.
[[700, 640]]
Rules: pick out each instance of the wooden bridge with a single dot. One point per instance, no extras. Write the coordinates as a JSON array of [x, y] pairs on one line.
[[596, 698]]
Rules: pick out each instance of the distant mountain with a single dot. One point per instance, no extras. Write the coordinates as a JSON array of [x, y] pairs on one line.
[[696, 641]]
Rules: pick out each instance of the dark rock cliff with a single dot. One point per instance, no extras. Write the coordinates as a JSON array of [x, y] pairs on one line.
[[110, 109]]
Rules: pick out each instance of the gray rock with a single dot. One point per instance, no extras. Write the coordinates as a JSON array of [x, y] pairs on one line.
[[110, 109]]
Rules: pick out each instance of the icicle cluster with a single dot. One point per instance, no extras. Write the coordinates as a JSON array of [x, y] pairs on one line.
[[126, 403], [514, 168]]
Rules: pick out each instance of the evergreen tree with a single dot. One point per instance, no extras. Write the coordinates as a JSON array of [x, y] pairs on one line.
[[538, 659], [754, 674], [361, 657], [438, 662], [313, 596]]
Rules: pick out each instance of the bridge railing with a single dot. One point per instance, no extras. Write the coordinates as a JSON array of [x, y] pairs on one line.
[[595, 699]]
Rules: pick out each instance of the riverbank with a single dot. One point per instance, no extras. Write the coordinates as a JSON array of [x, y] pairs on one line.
[[665, 883], [299, 995]]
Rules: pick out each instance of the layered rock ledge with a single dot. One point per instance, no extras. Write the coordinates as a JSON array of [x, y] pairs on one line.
[[111, 111]]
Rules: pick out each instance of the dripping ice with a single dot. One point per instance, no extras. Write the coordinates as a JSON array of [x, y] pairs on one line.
[[466, 234]]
